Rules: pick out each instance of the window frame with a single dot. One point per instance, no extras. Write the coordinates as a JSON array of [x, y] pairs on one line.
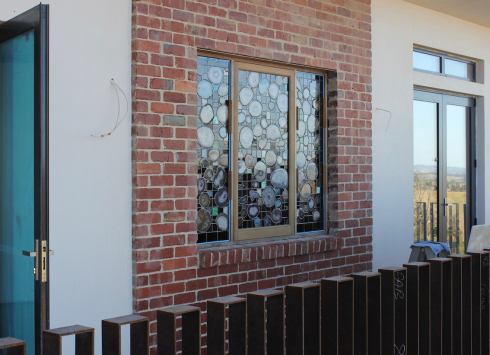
[[442, 62], [237, 63]]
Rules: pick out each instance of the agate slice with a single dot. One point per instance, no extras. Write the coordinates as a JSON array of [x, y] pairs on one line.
[[301, 214], [223, 132], [267, 221], [311, 203], [305, 191], [260, 171], [282, 122], [257, 130], [201, 184], [215, 75], [205, 137], [249, 161], [242, 200], [243, 212], [223, 89], [270, 158], [204, 199], [253, 194], [312, 171], [242, 168], [306, 108], [316, 215], [204, 89], [204, 163], [213, 155], [273, 132], [306, 93], [262, 143], [222, 113], [241, 117], [223, 160], [313, 124], [206, 115], [263, 85], [253, 79], [301, 129], [222, 222], [253, 210], [246, 137], [208, 173], [255, 108], [203, 220], [279, 179], [276, 215], [269, 197], [257, 222], [300, 159], [246, 95], [221, 197], [278, 203], [263, 123], [283, 103], [219, 178], [273, 90]]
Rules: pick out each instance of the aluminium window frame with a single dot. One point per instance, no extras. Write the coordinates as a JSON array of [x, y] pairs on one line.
[[240, 62], [442, 57]]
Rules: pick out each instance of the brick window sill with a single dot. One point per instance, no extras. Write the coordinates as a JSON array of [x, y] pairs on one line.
[[266, 250]]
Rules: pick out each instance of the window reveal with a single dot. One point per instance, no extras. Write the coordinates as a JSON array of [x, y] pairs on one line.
[[280, 193]]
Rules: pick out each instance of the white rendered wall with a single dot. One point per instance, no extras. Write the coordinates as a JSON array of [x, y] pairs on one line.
[[90, 178], [396, 27]]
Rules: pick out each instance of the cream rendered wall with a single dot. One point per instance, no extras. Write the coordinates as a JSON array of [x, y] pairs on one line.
[[396, 27], [90, 178]]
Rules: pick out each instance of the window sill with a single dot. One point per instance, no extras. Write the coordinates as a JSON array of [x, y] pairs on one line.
[[266, 250]]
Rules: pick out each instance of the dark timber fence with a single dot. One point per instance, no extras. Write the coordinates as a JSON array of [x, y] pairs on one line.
[[439, 308]]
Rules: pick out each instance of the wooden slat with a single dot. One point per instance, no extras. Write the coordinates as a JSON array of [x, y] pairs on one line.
[[394, 310], [418, 308], [337, 324]]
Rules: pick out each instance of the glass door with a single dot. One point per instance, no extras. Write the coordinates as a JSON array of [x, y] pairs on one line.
[[443, 168], [23, 178]]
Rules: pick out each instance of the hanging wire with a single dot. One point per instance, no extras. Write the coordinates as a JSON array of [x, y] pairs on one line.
[[117, 88], [388, 119]]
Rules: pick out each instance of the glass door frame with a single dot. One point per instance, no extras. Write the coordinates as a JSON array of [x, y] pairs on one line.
[[37, 19], [443, 100]]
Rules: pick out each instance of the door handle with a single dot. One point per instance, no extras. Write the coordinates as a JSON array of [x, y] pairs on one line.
[[30, 254], [445, 204], [40, 259]]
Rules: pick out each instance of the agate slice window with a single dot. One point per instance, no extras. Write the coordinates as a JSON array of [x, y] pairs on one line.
[[213, 93], [273, 192]]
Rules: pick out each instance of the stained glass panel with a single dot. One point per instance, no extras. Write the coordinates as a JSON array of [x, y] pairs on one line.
[[309, 152], [213, 91], [263, 179]]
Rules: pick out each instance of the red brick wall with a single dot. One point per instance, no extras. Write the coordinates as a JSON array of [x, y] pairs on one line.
[[168, 266]]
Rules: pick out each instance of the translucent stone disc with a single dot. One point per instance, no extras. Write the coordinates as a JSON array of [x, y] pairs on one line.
[[306, 107], [215, 75], [301, 176], [223, 132], [223, 89], [260, 171], [305, 191], [276, 215], [219, 178], [249, 161], [267, 221], [306, 93], [222, 222], [205, 137], [263, 85], [222, 113], [253, 194], [262, 143], [314, 88], [204, 163], [278, 203], [263, 123], [279, 160], [243, 200], [270, 158], [201, 184], [204, 89], [313, 124], [253, 210], [257, 130], [253, 79], [204, 199], [316, 215], [311, 203], [221, 197], [208, 173], [273, 132], [203, 220], [257, 222], [206, 115], [242, 168], [213, 155], [246, 95], [300, 159], [255, 108], [223, 160], [241, 117], [279, 179], [312, 171], [273, 90], [301, 128], [269, 196], [246, 137], [283, 121], [283, 103]]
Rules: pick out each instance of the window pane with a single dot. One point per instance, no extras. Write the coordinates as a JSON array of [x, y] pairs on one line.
[[456, 68], [424, 61], [309, 156], [425, 170], [263, 173], [213, 91]]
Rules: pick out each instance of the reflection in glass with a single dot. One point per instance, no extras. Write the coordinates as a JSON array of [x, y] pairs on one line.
[[213, 80], [263, 139], [456, 177], [309, 152], [424, 61], [457, 68], [425, 170]]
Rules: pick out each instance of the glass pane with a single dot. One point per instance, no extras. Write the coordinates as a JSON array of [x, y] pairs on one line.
[[213, 91], [17, 188], [425, 170], [456, 177], [456, 68], [263, 171], [424, 61], [309, 152]]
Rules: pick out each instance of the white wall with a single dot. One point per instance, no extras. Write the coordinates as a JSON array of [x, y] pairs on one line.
[[90, 178], [396, 27]]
